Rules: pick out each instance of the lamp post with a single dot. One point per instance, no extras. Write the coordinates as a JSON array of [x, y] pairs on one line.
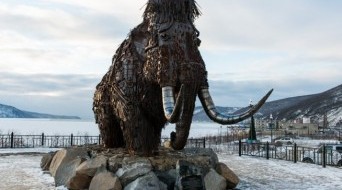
[[271, 126], [252, 133]]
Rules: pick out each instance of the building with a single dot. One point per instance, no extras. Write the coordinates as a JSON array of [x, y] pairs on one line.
[[297, 127]]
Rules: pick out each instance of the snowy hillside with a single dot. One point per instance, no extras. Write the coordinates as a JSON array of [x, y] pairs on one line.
[[12, 112], [313, 106]]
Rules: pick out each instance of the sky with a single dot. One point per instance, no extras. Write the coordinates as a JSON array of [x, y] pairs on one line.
[[54, 52]]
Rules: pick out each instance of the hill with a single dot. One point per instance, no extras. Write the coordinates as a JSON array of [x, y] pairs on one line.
[[7, 111]]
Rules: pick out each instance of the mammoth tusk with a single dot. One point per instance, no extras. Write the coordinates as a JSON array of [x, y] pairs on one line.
[[221, 118], [171, 109]]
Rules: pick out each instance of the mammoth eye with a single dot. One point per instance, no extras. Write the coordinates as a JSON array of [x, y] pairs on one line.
[[165, 37]]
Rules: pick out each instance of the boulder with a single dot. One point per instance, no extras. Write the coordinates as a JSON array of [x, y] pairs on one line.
[[85, 171], [105, 180], [90, 166], [64, 163], [149, 181], [64, 156], [228, 174], [66, 171], [79, 181], [115, 162], [132, 168], [188, 176], [202, 153], [46, 161], [167, 177], [214, 181]]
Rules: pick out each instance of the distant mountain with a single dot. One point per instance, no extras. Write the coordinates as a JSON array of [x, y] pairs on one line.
[[313, 106], [7, 111]]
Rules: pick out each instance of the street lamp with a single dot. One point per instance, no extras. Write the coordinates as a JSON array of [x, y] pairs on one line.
[[271, 126], [252, 133]]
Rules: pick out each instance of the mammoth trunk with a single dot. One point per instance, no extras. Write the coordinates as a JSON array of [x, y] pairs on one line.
[[179, 138]]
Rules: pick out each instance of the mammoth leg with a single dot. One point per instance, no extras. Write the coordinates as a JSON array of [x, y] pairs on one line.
[[111, 132], [109, 126], [142, 136]]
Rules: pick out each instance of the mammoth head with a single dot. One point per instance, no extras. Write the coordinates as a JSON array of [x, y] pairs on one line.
[[174, 62], [173, 41]]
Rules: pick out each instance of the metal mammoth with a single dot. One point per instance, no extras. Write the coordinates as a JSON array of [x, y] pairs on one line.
[[155, 77]]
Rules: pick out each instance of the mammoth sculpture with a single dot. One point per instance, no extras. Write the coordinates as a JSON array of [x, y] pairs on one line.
[[155, 77]]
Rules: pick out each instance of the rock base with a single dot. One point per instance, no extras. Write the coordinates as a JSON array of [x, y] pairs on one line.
[[95, 167]]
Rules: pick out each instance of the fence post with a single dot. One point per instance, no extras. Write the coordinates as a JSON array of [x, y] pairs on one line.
[[267, 150], [99, 139], [42, 139], [295, 153], [12, 140], [240, 147], [324, 163], [72, 137], [203, 142]]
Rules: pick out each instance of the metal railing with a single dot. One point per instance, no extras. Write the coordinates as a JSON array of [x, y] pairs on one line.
[[191, 142], [51, 141], [62, 141], [323, 156]]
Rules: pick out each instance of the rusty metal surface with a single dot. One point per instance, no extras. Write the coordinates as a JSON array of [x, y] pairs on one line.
[[161, 52]]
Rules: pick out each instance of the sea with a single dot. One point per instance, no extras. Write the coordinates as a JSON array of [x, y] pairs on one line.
[[23, 126]]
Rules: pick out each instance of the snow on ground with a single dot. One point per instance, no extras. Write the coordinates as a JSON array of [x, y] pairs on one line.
[[23, 172], [258, 173], [20, 169], [26, 150]]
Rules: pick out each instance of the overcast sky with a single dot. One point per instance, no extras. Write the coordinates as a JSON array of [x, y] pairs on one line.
[[54, 52]]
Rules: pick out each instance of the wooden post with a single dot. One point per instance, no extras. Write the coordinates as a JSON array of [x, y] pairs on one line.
[[203, 142]]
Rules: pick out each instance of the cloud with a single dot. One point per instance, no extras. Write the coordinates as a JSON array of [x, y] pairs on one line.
[[55, 94], [54, 52], [55, 38], [284, 38]]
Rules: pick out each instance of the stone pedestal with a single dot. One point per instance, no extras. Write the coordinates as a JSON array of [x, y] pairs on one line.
[[95, 167]]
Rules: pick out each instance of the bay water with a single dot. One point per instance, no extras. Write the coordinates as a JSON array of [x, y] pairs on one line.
[[23, 126]]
